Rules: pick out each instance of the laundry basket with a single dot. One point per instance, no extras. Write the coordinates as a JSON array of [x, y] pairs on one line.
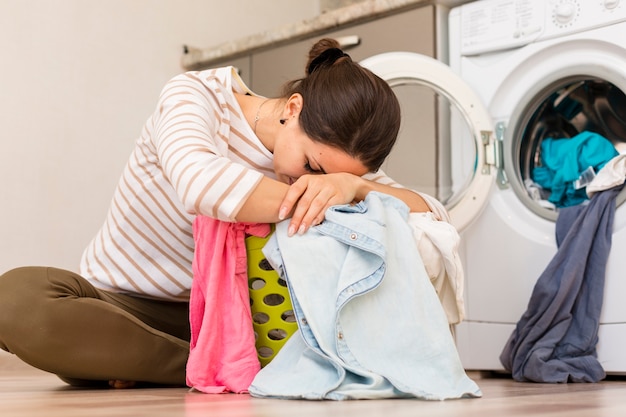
[[273, 319]]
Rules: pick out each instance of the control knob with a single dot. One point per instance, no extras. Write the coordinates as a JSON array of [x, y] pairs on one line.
[[565, 12]]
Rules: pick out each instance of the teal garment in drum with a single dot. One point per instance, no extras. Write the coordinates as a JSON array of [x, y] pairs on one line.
[[563, 160]]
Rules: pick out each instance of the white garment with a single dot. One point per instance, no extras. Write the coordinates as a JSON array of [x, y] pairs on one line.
[[438, 244], [611, 175]]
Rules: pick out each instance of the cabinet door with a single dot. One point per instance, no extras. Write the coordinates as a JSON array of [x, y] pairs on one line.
[[413, 161], [411, 31]]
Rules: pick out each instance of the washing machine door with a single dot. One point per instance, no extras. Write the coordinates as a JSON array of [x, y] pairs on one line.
[[462, 163]]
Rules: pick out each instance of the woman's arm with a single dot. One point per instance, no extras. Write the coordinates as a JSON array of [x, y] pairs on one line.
[[307, 200], [416, 203], [264, 202]]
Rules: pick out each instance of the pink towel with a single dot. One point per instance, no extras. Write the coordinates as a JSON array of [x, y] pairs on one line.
[[222, 355]]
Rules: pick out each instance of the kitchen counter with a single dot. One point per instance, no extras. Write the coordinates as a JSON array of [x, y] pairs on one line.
[[196, 58]]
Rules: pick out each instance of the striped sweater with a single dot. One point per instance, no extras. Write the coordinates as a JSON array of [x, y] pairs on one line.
[[196, 155]]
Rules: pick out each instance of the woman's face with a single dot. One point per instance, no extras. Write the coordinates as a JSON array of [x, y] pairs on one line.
[[295, 154]]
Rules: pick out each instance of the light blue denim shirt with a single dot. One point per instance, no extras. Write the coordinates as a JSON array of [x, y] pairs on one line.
[[370, 322]]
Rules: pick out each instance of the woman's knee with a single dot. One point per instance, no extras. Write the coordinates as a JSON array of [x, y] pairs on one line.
[[17, 300], [14, 284], [20, 285], [28, 299], [26, 290], [41, 281]]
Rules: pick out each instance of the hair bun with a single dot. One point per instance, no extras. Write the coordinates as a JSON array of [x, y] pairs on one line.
[[326, 59], [323, 54]]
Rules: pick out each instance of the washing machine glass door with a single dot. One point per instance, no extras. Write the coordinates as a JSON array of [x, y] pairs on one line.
[[460, 165]]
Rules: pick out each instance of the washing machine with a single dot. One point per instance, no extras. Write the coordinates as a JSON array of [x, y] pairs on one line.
[[520, 71]]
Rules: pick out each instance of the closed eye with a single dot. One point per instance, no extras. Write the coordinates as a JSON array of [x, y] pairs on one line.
[[310, 169]]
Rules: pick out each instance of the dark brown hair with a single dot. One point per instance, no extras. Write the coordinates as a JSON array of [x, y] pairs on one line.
[[346, 106]]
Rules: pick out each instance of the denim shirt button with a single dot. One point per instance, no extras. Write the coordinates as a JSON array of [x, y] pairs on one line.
[[353, 236], [340, 335], [304, 322]]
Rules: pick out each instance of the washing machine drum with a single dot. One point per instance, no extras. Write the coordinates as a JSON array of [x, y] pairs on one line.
[[592, 105], [573, 126]]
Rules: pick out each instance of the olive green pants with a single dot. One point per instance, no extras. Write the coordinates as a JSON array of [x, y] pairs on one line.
[[56, 321]]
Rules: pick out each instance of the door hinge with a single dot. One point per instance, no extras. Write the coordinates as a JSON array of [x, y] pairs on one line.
[[494, 155], [501, 179]]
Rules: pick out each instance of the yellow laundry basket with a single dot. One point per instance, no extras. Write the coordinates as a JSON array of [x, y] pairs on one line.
[[273, 318]]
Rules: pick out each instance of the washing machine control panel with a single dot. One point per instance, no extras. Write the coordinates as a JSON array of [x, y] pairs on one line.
[[565, 12], [571, 16], [493, 25], [611, 4]]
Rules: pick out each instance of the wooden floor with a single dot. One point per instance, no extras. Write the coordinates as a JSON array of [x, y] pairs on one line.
[[25, 391]]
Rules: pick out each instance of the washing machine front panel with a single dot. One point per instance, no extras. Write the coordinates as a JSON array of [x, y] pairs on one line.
[[522, 85], [586, 68], [466, 172]]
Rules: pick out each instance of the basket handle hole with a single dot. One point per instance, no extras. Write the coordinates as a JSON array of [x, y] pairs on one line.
[[256, 283], [277, 334], [260, 318], [265, 352], [265, 265], [288, 316], [273, 299]]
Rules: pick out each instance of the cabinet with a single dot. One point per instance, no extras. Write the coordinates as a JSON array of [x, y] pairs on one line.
[[243, 66], [409, 31], [413, 161]]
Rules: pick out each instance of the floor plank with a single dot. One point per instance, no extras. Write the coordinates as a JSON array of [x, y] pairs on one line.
[[25, 392]]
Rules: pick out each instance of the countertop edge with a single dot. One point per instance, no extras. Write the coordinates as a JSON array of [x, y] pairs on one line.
[[196, 58]]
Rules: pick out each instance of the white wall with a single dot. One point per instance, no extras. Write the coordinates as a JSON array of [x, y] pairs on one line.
[[77, 80]]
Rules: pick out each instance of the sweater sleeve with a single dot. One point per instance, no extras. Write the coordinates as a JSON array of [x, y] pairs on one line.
[[191, 134], [435, 205]]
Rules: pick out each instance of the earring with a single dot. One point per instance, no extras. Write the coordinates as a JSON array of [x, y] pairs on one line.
[[282, 121]]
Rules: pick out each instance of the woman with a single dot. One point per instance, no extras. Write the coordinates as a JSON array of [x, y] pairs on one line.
[[212, 148]]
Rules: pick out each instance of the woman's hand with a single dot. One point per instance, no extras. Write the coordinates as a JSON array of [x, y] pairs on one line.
[[311, 195], [307, 199]]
